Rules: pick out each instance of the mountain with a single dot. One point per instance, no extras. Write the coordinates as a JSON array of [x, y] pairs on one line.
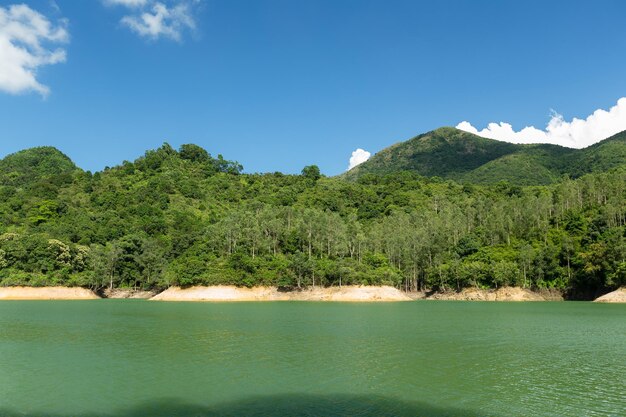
[[454, 154], [33, 165], [183, 217]]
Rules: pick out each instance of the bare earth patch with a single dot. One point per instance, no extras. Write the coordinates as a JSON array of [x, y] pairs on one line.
[[617, 296], [46, 293], [128, 293], [232, 293], [501, 294]]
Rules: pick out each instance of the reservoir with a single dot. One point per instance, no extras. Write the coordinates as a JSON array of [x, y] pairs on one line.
[[123, 358]]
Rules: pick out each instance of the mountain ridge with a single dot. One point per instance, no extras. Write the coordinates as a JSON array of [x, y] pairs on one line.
[[446, 152], [454, 154]]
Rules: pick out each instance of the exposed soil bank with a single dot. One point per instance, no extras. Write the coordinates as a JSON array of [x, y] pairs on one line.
[[416, 295], [232, 293], [46, 293], [501, 294], [617, 296], [128, 293], [344, 293]]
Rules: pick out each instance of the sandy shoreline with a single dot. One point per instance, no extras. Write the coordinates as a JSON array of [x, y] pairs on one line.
[[228, 293], [232, 293], [617, 296], [46, 293], [347, 294]]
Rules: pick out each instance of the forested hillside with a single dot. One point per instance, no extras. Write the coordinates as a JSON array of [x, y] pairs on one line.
[[182, 217], [450, 153]]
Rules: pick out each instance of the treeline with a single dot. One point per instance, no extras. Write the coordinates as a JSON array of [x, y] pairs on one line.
[[186, 218]]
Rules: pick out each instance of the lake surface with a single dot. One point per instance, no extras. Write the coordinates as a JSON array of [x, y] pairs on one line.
[[133, 357]]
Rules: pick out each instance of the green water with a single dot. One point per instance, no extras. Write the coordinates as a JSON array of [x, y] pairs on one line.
[[132, 357]]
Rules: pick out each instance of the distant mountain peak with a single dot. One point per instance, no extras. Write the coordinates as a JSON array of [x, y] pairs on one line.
[[452, 153]]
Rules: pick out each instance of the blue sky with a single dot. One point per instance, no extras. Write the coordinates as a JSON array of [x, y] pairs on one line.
[[281, 84]]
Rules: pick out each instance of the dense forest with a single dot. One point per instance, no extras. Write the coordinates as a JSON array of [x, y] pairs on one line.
[[183, 217]]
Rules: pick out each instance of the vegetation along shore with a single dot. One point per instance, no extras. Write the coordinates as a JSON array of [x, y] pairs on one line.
[[183, 218]]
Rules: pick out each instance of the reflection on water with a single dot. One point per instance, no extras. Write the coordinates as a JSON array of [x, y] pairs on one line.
[[282, 405], [132, 357]]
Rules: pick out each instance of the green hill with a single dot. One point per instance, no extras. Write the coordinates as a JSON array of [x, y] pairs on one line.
[[454, 154], [33, 165], [183, 217]]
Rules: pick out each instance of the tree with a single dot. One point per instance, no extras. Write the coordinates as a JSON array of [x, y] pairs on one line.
[[311, 172], [104, 261], [194, 153], [505, 273], [302, 267], [151, 261]]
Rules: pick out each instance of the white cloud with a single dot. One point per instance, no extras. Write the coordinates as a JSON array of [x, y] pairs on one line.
[[358, 157], [26, 39], [127, 3], [155, 19], [578, 133]]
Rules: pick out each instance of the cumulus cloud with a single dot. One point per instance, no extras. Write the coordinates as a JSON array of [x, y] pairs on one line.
[[578, 133], [156, 19], [27, 40], [358, 157]]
